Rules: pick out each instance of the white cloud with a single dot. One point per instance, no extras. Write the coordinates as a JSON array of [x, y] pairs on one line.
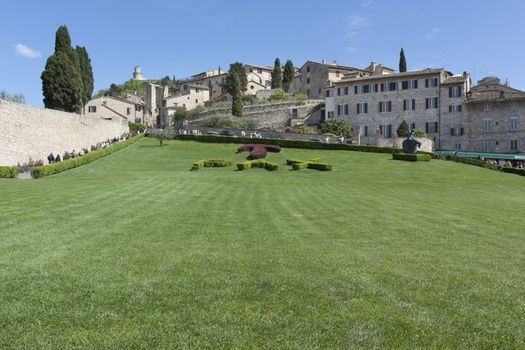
[[366, 3], [432, 34], [24, 51]]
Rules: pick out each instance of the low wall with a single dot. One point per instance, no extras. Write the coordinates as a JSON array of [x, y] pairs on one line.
[[29, 132]]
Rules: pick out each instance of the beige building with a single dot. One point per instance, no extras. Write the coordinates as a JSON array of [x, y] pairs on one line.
[[213, 79], [259, 78], [153, 96], [189, 96], [115, 108], [430, 100], [495, 118], [313, 77]]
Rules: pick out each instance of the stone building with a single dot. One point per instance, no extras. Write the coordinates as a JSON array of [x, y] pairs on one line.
[[213, 79], [259, 78], [313, 77], [153, 96], [429, 100], [137, 74], [189, 96], [110, 107], [495, 118]]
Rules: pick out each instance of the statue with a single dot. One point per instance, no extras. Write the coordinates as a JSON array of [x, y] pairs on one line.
[[411, 144]]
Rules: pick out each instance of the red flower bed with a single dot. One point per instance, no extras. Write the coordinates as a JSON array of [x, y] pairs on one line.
[[258, 151]]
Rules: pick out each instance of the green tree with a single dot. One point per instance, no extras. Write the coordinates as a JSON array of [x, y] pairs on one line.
[[277, 75], [279, 95], [402, 62], [236, 96], [402, 130], [304, 129], [288, 75], [337, 126], [18, 98], [62, 84], [236, 68], [86, 70]]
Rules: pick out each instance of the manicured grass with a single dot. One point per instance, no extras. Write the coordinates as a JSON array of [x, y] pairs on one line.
[[136, 251]]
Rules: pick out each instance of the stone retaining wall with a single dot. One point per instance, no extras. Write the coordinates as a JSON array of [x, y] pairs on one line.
[[29, 132]]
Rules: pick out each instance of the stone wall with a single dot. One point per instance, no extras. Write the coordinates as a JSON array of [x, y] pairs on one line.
[[29, 132], [275, 116]]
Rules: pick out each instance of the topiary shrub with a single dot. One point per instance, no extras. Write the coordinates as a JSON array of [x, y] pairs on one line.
[[411, 157], [211, 163], [258, 151], [314, 163], [514, 171], [9, 171], [258, 163]]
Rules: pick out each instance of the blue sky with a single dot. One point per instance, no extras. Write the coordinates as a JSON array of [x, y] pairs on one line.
[[184, 37]]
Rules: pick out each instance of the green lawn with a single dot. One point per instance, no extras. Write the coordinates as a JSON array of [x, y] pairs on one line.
[[135, 251]]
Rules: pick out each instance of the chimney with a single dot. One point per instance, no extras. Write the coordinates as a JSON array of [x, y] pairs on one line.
[[373, 65], [335, 63]]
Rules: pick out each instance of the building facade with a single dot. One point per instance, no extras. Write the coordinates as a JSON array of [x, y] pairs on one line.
[[189, 96], [495, 117], [115, 108]]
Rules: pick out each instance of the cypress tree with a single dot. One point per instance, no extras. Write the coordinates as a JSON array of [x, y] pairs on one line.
[[62, 84], [402, 130], [402, 62], [86, 70], [236, 68], [277, 75], [288, 75], [236, 96]]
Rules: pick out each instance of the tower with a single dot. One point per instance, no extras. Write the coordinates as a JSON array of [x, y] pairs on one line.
[[137, 74]]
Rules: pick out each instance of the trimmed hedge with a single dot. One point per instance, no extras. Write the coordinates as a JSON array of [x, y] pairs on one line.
[[211, 163], [9, 171], [514, 171], [258, 163], [411, 157], [314, 163], [287, 143], [470, 161], [55, 168]]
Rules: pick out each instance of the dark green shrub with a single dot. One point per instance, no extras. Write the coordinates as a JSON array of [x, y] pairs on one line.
[[9, 171], [319, 166], [411, 157], [314, 163], [55, 168], [470, 161], [299, 165], [211, 163], [514, 171]]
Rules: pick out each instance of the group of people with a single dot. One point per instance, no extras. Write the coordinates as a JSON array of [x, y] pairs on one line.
[[51, 158], [189, 132], [518, 164]]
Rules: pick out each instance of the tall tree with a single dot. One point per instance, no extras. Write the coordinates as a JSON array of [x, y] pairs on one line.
[[402, 130], [277, 75], [62, 84], [236, 95], [402, 62], [236, 68], [288, 75], [86, 70], [18, 98]]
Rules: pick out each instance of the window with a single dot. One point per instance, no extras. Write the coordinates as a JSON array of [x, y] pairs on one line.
[[385, 106], [362, 108], [384, 87], [308, 69], [412, 126], [454, 108], [431, 127], [92, 109], [392, 86], [128, 111], [307, 80], [342, 109], [431, 83], [454, 91], [327, 93], [358, 89], [487, 107], [376, 87], [294, 112], [337, 74], [513, 123], [431, 102], [457, 131], [259, 71], [196, 100], [366, 89], [412, 84], [457, 146], [409, 105], [404, 85], [386, 130], [487, 146], [513, 104], [514, 145], [338, 91], [487, 125], [319, 91], [330, 114], [363, 131]]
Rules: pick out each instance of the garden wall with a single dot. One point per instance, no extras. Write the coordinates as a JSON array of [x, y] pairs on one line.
[[29, 132]]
